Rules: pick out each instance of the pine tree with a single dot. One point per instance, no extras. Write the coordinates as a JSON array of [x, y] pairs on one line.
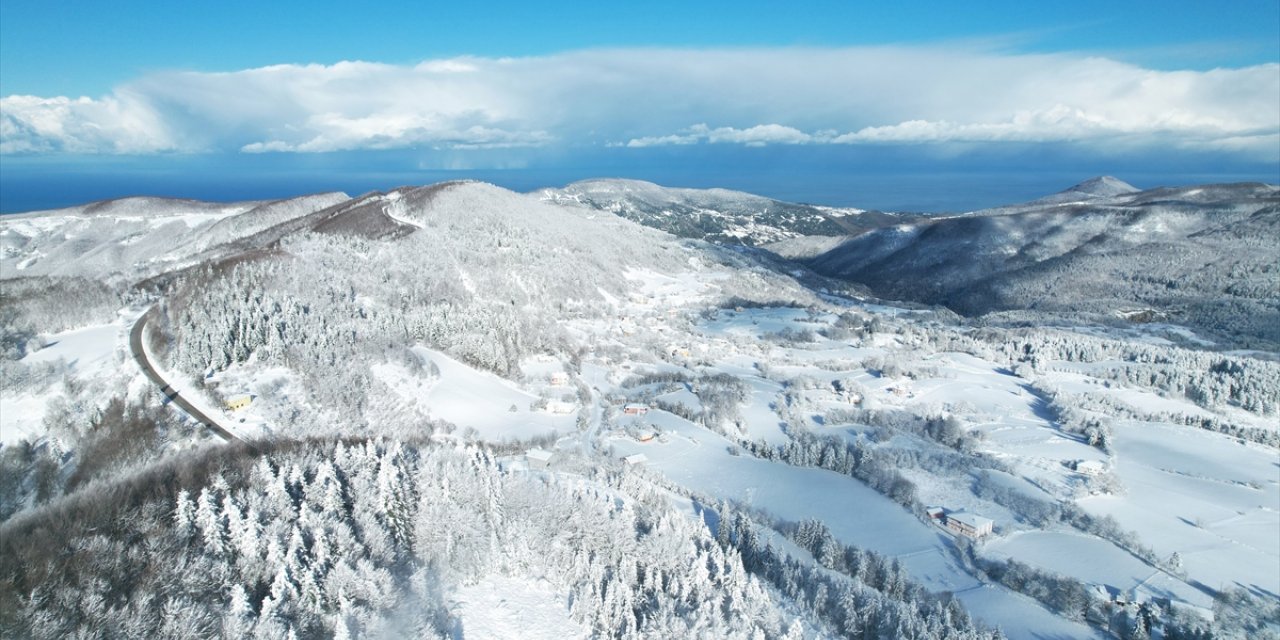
[[183, 513], [210, 523]]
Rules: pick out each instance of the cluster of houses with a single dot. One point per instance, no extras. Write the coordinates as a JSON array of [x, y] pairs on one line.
[[970, 525]]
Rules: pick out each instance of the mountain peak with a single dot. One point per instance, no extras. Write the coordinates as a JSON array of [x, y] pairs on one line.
[[1103, 186]]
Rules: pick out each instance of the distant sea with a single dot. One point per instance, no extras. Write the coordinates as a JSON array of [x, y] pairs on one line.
[[39, 184]]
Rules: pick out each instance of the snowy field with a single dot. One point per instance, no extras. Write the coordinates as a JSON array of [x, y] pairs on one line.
[[501, 607], [1203, 496], [496, 408], [89, 353]]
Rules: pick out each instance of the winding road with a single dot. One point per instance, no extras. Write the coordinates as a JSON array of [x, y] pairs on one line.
[[140, 354]]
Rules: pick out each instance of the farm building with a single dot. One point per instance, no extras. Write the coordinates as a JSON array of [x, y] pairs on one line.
[[559, 379], [645, 435], [635, 409], [971, 525], [539, 458], [936, 513], [635, 459], [238, 401]]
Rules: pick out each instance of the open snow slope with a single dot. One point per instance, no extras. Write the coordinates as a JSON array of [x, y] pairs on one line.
[[89, 353], [135, 236]]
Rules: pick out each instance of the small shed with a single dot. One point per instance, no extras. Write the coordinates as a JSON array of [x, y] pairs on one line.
[[936, 513], [539, 458], [635, 460]]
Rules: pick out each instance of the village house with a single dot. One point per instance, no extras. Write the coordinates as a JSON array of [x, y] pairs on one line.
[[559, 379], [635, 460], [970, 525], [238, 401], [539, 458], [635, 409]]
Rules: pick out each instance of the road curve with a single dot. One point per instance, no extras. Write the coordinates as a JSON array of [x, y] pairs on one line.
[[139, 354]]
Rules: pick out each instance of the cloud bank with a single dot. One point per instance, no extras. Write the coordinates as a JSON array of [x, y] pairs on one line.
[[666, 97]]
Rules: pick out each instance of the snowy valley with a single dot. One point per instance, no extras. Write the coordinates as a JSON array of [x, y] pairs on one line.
[[619, 410]]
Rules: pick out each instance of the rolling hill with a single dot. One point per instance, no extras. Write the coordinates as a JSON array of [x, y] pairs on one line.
[[717, 215], [1202, 256]]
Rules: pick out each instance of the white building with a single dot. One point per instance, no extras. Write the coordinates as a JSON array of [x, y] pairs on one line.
[[539, 458], [635, 459], [969, 524]]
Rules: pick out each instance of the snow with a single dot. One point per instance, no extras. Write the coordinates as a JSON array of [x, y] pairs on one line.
[[1210, 499], [855, 513], [471, 398], [501, 607], [196, 395], [89, 352], [1094, 561], [1203, 495], [22, 416]]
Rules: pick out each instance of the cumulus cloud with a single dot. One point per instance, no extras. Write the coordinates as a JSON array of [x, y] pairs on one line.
[[664, 97], [121, 123]]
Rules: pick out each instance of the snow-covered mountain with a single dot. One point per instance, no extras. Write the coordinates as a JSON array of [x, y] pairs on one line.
[[718, 215], [458, 411], [1203, 256], [1093, 189], [135, 236]]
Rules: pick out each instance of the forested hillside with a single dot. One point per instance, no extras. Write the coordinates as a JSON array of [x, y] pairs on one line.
[[1203, 257], [458, 411], [717, 215]]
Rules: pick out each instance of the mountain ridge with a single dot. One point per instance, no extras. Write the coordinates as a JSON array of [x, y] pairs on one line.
[[717, 215]]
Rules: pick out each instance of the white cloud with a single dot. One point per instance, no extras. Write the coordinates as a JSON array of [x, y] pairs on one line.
[[121, 123], [651, 97], [757, 136]]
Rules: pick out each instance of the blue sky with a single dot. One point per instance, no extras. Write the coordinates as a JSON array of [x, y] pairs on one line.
[[888, 105]]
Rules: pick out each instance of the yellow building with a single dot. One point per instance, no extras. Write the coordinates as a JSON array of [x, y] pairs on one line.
[[238, 402]]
